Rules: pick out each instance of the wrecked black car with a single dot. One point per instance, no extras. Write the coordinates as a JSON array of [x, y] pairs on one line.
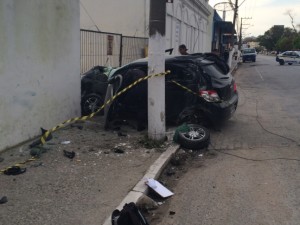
[[214, 96], [93, 89]]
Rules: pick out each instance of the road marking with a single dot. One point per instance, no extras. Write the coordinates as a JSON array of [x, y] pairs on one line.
[[259, 73]]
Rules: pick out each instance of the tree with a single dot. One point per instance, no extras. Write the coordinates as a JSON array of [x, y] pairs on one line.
[[249, 39], [284, 44], [296, 42], [271, 37]]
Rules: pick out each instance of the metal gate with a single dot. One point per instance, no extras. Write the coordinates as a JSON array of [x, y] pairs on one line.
[[109, 49]]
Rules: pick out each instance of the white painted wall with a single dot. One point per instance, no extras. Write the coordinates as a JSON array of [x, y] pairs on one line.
[[39, 66], [187, 21], [126, 17]]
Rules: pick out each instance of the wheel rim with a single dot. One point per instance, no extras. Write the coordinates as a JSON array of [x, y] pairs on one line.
[[195, 133], [92, 104]]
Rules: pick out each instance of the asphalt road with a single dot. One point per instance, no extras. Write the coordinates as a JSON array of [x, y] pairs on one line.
[[254, 176]]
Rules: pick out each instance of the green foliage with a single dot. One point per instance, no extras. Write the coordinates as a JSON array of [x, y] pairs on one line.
[[284, 44], [297, 42], [280, 38]]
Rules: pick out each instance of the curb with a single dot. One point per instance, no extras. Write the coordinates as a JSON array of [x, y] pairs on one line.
[[234, 68], [154, 172]]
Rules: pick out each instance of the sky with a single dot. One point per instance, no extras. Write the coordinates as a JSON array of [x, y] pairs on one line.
[[264, 13]]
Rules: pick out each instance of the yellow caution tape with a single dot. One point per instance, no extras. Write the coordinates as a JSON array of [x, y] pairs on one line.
[[19, 164], [185, 88], [48, 132]]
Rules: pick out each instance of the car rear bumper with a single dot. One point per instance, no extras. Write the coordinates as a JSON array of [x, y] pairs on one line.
[[221, 112], [249, 57]]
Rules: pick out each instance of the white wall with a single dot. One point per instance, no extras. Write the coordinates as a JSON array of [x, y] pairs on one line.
[[187, 21], [127, 17], [39, 66]]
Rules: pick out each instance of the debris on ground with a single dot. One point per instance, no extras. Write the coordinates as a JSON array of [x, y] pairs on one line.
[[172, 213], [38, 142], [3, 200], [149, 143], [14, 170], [147, 203], [37, 151], [182, 128], [118, 150], [68, 154], [159, 188], [80, 127], [120, 134], [170, 172]]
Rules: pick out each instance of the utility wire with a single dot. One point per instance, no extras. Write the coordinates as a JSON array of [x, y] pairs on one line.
[[260, 160], [250, 159], [287, 138], [89, 16], [242, 3]]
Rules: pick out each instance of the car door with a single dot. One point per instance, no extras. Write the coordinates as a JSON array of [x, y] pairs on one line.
[[289, 57], [295, 58], [298, 57], [177, 98]]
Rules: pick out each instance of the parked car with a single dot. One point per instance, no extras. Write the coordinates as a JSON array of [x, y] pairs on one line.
[[208, 76], [249, 54], [93, 89], [289, 57]]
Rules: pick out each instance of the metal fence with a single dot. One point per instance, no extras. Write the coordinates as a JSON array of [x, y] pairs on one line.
[[109, 49]]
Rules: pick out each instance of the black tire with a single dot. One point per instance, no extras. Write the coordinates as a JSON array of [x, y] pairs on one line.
[[290, 63], [91, 103], [281, 62], [197, 137]]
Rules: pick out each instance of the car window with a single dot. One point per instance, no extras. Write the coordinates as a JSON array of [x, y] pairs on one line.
[[182, 71], [250, 50], [214, 71]]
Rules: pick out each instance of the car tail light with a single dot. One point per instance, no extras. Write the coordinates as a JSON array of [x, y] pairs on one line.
[[210, 96], [234, 87]]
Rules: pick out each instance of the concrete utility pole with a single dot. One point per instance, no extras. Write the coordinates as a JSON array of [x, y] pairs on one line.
[[241, 29], [234, 19], [156, 64]]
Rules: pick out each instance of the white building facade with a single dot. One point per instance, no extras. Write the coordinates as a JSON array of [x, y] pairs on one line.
[[188, 22]]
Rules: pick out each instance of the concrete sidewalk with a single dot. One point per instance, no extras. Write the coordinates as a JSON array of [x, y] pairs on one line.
[[109, 169]]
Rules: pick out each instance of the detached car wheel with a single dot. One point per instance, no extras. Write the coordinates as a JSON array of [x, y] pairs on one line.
[[91, 103], [197, 137]]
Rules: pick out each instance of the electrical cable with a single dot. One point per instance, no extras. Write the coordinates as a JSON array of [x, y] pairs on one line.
[[260, 160], [278, 135], [89, 16], [251, 159]]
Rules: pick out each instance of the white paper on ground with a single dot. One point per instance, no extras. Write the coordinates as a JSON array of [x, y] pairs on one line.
[[159, 188]]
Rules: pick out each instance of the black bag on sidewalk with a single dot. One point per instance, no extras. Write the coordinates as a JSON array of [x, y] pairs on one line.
[[129, 215]]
